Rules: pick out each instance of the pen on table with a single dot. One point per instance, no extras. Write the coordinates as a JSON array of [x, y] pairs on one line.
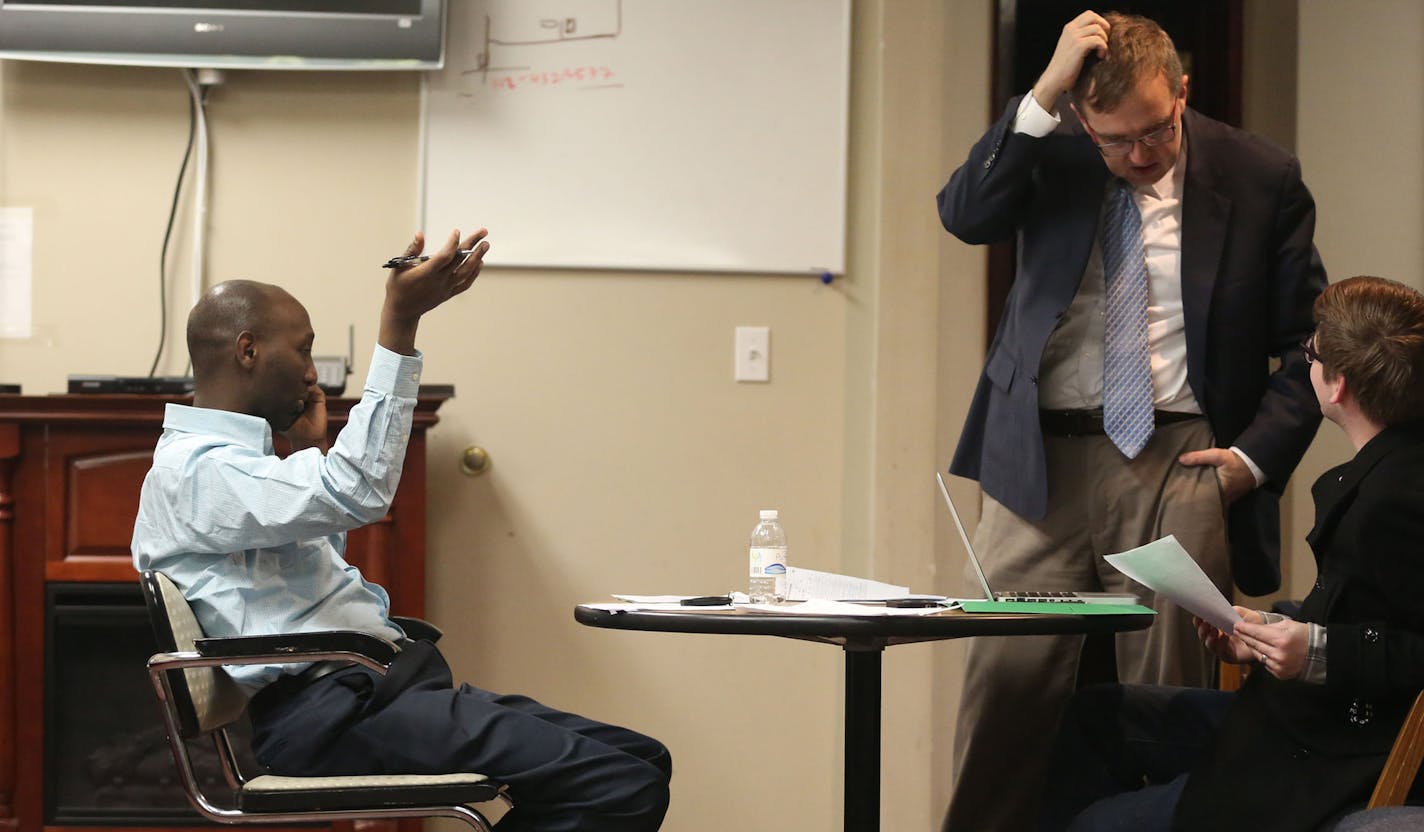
[[412, 259], [707, 601], [914, 603]]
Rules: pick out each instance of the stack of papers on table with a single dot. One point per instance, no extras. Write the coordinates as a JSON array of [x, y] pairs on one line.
[[824, 607], [810, 585], [659, 603], [825, 593]]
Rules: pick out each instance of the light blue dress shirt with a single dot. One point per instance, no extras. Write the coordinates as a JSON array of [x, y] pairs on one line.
[[256, 542]]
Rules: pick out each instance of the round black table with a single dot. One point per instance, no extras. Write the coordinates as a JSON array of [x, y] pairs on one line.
[[863, 638]]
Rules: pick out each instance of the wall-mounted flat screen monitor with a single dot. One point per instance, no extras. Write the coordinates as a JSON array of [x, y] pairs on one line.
[[227, 34]]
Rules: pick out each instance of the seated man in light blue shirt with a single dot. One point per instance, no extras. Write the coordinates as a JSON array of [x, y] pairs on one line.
[[255, 542]]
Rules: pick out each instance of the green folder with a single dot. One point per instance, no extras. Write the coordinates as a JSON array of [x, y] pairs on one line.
[[1055, 608]]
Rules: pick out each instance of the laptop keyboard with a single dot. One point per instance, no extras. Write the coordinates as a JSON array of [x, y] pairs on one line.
[[1062, 595]]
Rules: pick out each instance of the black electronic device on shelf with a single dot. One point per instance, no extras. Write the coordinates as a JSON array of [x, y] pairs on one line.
[[143, 385], [183, 386]]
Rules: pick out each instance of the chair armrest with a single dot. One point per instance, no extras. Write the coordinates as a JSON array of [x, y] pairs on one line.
[[299, 647], [418, 628]]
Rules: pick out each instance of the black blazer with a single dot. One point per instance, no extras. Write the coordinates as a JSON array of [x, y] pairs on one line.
[[1294, 756], [1250, 273]]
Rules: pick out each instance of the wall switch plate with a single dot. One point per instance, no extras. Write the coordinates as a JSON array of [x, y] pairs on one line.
[[753, 356]]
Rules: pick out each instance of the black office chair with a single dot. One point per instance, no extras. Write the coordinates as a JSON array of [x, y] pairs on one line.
[[199, 699]]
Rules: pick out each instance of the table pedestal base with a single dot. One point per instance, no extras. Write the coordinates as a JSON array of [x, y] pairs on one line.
[[862, 738]]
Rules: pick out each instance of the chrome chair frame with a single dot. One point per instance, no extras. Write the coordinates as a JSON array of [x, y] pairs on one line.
[[199, 699]]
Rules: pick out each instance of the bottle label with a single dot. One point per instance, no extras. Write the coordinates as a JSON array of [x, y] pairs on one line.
[[768, 561]]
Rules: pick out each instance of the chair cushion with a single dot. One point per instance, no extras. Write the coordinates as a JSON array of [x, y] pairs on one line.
[[216, 699], [1386, 819], [273, 793]]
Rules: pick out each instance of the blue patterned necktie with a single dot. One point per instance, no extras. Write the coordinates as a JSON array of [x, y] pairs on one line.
[[1127, 366]]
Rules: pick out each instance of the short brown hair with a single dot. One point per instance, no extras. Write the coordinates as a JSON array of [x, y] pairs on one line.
[[1138, 50], [1371, 331]]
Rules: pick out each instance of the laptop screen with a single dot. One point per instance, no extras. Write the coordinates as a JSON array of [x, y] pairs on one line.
[[964, 538]]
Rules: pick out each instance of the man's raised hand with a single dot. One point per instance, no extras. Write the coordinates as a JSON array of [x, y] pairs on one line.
[[413, 290]]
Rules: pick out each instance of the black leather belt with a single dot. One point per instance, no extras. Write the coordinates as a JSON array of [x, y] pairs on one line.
[[292, 684], [1090, 422], [316, 670]]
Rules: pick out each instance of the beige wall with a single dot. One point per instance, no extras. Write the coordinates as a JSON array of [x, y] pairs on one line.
[[1340, 84], [1268, 69], [624, 457], [1360, 137], [1361, 128]]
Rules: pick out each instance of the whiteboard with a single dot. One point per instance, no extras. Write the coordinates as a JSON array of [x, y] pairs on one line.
[[702, 135]]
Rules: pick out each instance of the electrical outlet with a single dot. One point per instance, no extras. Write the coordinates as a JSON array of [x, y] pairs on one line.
[[753, 355]]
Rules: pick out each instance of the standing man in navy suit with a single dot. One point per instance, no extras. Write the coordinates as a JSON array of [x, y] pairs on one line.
[[1165, 261]]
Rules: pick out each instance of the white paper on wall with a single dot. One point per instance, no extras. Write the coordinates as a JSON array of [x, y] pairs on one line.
[[16, 271]]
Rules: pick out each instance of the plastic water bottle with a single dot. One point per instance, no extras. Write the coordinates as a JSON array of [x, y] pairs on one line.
[[768, 559]]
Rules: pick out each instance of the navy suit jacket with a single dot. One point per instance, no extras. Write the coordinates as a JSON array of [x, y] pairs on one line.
[[1250, 274], [1295, 756]]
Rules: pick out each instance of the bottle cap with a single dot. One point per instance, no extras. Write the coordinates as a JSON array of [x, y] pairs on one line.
[[769, 514]]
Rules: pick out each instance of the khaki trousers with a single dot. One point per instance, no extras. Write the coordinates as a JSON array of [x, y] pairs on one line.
[[1015, 688]]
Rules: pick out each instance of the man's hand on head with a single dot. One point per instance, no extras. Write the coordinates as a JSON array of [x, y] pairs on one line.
[[309, 430], [1088, 32], [413, 290]]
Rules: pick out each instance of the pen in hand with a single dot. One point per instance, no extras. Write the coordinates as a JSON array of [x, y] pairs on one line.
[[412, 259]]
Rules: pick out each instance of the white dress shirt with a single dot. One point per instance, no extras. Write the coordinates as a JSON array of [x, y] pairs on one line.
[[256, 542], [1071, 371]]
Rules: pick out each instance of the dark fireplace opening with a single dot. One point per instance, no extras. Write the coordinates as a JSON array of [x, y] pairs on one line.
[[107, 760]]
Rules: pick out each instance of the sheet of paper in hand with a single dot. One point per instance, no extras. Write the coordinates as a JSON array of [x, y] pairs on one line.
[[1165, 567]]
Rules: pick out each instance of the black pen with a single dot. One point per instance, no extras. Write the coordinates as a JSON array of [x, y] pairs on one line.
[[412, 259], [914, 603], [707, 601]]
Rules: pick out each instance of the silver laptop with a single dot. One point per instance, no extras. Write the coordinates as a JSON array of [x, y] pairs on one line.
[[1026, 595]]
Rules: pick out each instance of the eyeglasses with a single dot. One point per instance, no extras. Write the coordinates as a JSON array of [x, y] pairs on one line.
[[1162, 135], [1308, 347]]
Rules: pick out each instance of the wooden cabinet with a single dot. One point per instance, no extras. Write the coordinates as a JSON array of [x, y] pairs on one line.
[[70, 472]]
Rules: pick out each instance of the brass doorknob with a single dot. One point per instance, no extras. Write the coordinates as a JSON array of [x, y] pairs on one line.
[[474, 461]]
